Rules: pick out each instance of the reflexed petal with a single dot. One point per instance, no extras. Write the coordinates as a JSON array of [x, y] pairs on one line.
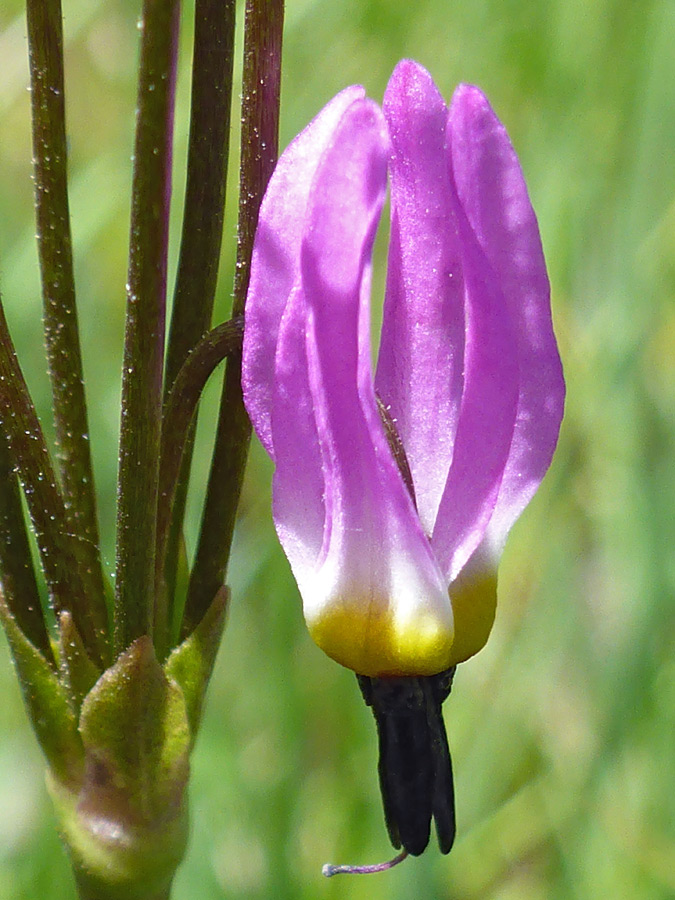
[[487, 413], [276, 256], [421, 358], [492, 190], [376, 602], [298, 476], [468, 369]]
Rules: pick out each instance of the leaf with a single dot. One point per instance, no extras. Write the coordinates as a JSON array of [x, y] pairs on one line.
[[191, 663], [78, 671], [134, 727], [47, 703], [126, 828]]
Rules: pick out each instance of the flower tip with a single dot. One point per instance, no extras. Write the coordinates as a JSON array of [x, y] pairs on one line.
[[408, 67], [471, 97], [408, 77]]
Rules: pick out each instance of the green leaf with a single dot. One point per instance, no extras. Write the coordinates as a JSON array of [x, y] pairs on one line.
[[134, 727], [78, 672], [126, 827], [191, 663], [48, 704]]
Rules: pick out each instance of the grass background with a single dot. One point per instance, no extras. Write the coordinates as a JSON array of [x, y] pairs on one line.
[[562, 729]]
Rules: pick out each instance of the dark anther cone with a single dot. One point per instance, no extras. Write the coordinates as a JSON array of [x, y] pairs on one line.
[[415, 767]]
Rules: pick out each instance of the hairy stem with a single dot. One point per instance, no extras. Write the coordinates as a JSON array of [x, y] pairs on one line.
[[17, 574], [73, 458], [180, 408], [201, 237], [145, 323], [56, 544], [259, 149]]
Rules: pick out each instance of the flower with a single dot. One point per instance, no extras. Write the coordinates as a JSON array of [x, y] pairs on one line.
[[399, 579]]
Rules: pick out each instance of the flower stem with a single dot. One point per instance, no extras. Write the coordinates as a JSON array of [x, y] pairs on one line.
[[180, 409], [201, 238], [208, 153], [45, 45], [144, 339], [56, 544], [259, 148], [17, 574]]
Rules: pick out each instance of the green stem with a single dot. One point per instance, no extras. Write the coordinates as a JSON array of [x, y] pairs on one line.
[[259, 147], [45, 45], [206, 180], [17, 574], [113, 859], [89, 890], [201, 237], [145, 323], [179, 412], [56, 544]]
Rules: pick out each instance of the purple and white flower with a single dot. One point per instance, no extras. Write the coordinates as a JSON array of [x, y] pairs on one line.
[[396, 581]]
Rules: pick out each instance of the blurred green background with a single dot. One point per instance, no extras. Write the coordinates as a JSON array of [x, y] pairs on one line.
[[563, 728]]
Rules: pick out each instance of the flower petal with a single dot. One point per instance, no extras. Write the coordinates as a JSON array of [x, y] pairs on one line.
[[376, 601], [298, 492], [487, 413], [420, 364], [276, 256], [492, 191]]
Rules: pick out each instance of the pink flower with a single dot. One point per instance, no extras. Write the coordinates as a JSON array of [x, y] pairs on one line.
[[394, 581]]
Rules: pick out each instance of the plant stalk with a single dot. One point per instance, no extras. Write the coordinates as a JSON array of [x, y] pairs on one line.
[[180, 409], [17, 573], [56, 544], [73, 457], [201, 238], [144, 338], [259, 149]]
